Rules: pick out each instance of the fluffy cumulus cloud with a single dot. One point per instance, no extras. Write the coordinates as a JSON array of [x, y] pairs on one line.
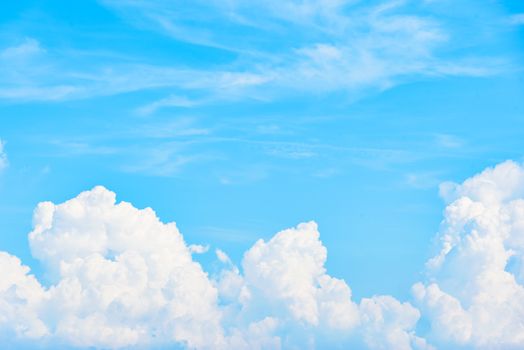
[[118, 277], [285, 278], [474, 293], [288, 272], [389, 324]]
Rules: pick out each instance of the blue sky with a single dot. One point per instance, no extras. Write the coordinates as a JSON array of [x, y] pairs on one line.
[[239, 119]]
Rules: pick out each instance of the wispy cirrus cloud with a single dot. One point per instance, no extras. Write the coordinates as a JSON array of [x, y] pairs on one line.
[[176, 147], [277, 49], [169, 101], [164, 160], [31, 72], [315, 45]]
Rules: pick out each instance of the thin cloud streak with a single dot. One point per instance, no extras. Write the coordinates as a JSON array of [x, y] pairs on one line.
[[340, 46]]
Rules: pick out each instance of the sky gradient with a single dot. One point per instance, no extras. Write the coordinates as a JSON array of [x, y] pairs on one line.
[[238, 120]]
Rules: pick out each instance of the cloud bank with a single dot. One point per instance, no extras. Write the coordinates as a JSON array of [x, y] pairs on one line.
[[117, 277]]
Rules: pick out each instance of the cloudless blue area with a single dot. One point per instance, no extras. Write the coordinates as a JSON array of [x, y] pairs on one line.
[[365, 162]]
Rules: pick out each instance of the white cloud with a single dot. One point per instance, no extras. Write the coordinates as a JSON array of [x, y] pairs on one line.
[[280, 48], [475, 293], [29, 72], [20, 295], [389, 324], [288, 272], [170, 101], [118, 277], [25, 50], [198, 248], [285, 278], [223, 257], [337, 45]]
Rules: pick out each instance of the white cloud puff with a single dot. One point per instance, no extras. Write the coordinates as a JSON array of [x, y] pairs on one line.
[[389, 324], [118, 277], [288, 272], [285, 278], [475, 294], [20, 297]]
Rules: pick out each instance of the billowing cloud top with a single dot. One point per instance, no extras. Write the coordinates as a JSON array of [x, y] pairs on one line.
[[475, 293], [119, 277]]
